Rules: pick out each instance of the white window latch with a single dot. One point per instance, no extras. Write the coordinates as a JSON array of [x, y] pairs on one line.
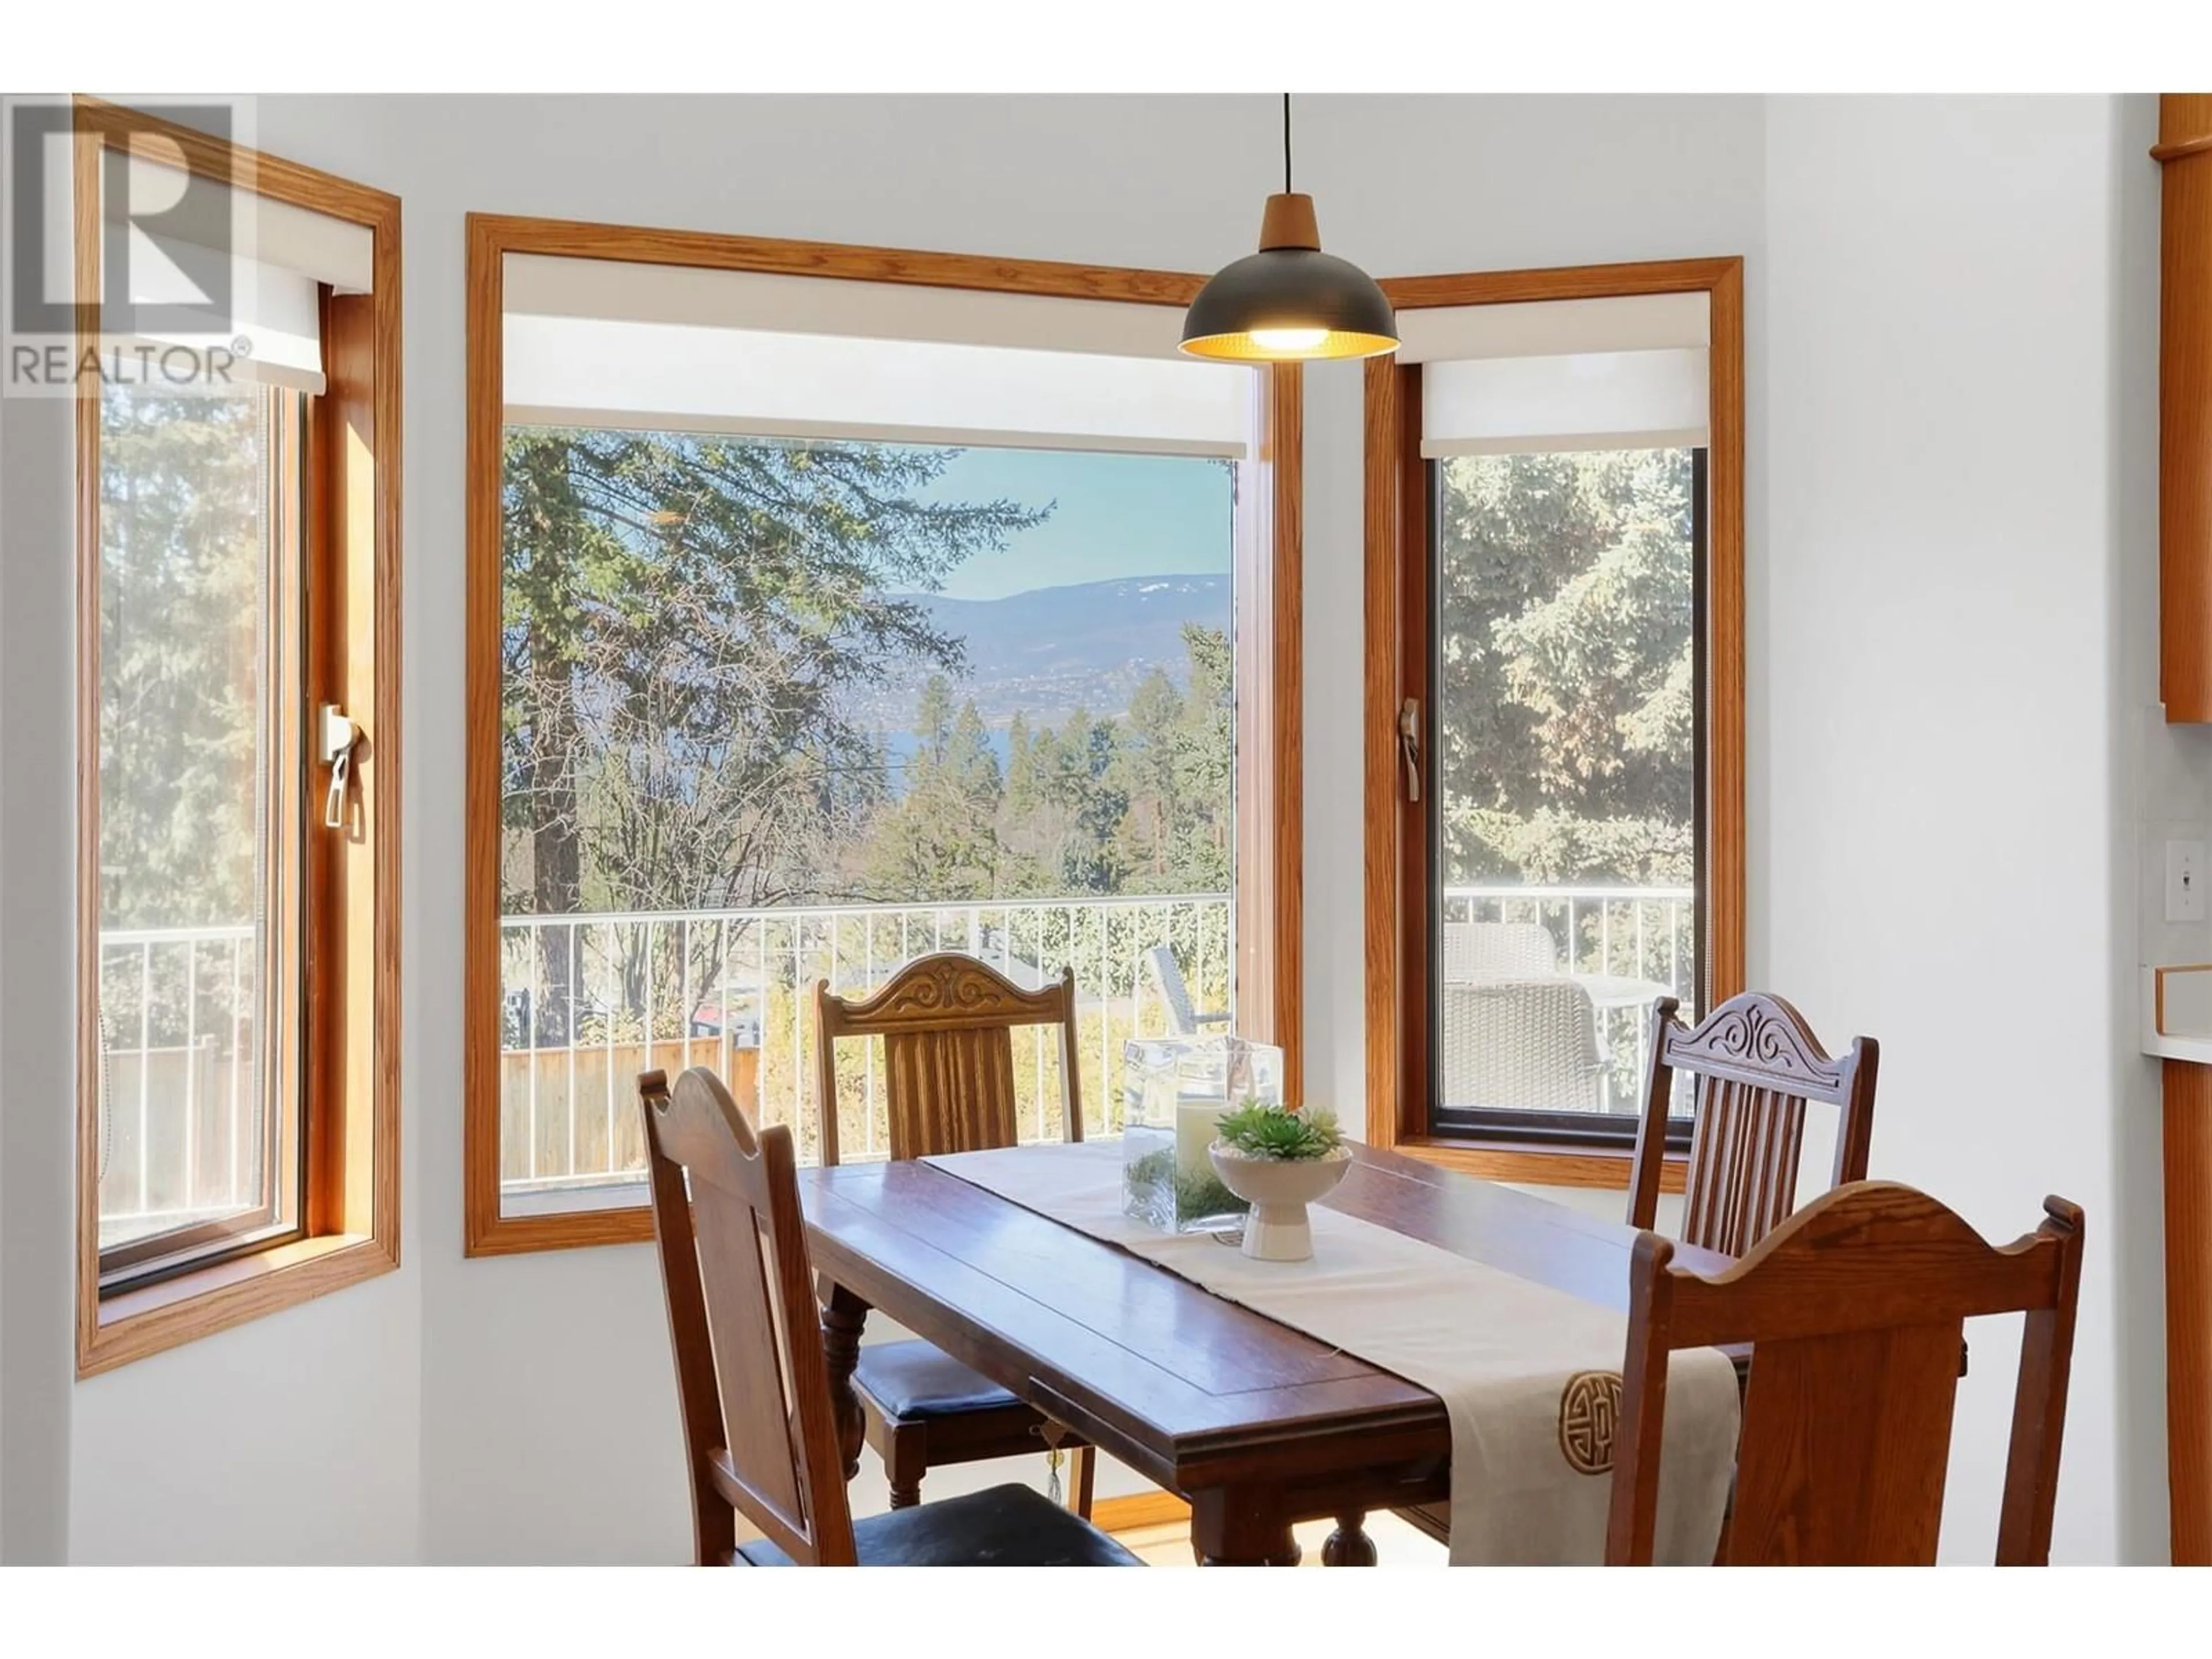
[[339, 735]]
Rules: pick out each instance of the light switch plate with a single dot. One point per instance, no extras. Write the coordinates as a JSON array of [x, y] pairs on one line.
[[2184, 881]]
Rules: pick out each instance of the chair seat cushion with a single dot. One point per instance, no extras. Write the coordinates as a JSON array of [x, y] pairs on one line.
[[1008, 1526], [915, 1379]]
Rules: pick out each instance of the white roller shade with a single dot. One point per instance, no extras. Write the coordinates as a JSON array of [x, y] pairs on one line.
[[1627, 372], [1596, 400], [279, 255], [567, 371], [591, 343]]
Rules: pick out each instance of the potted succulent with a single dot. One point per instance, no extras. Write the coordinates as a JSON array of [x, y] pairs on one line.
[[1279, 1159]]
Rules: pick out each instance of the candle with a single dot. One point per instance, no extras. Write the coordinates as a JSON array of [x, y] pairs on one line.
[[1196, 1125]]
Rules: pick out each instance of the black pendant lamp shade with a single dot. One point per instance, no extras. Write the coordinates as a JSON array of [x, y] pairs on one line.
[[1290, 302]]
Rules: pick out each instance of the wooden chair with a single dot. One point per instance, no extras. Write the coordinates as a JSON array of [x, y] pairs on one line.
[[1853, 1309], [947, 1021], [760, 1432], [1756, 1064]]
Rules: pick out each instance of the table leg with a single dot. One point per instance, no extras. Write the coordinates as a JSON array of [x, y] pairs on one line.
[[1240, 1527], [1349, 1546], [843, 1317]]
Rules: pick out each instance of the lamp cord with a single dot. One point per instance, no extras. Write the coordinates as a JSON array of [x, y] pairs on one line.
[[1286, 143]]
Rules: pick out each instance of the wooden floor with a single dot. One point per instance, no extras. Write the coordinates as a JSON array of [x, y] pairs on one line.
[[1396, 1544]]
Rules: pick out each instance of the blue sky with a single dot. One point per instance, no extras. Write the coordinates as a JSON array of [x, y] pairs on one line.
[[1118, 515]]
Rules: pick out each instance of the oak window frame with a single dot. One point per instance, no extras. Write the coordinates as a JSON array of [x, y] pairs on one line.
[[343, 1003], [1269, 813], [1398, 637]]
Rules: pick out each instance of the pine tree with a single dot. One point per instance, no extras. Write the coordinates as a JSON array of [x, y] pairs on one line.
[[1564, 689]]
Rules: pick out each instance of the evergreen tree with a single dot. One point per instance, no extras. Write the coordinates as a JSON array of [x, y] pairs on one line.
[[1565, 711], [184, 567], [939, 839], [685, 619]]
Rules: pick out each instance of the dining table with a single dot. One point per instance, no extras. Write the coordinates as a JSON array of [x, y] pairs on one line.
[[1257, 1426]]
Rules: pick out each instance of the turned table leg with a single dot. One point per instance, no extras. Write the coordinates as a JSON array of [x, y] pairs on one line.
[[1349, 1546], [843, 1317], [1235, 1528]]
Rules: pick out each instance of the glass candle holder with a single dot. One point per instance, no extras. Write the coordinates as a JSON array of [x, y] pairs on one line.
[[1174, 1090]]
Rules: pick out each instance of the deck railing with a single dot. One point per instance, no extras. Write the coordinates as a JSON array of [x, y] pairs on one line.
[[591, 1000], [178, 1132]]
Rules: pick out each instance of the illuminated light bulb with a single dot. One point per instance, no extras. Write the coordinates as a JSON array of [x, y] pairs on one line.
[[1288, 339]]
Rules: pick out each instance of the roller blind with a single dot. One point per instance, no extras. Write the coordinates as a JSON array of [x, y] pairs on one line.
[[1616, 374], [610, 344], [277, 255], [1593, 400]]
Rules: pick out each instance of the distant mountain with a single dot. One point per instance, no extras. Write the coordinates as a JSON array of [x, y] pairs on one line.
[[1051, 650]]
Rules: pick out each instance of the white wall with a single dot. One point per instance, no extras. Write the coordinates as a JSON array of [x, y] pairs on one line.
[[1979, 676], [1942, 851], [37, 1182], [520, 1355]]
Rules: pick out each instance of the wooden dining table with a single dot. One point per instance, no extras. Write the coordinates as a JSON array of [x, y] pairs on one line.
[[1256, 1424]]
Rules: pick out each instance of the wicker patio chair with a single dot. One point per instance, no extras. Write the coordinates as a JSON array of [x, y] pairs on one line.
[[1498, 950], [1525, 1043]]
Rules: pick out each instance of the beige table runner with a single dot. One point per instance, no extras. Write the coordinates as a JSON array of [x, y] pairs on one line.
[[1529, 1376]]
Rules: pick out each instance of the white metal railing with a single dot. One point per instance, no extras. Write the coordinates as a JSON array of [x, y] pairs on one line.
[[178, 1135], [1639, 932], [591, 1000]]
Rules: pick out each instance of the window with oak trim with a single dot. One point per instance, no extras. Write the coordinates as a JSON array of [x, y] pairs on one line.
[[726, 493], [238, 731], [1554, 705]]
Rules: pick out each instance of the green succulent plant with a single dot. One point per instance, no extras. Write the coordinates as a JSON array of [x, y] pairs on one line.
[[1279, 1133]]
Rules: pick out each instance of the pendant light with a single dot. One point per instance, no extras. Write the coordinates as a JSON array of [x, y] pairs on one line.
[[1290, 302]]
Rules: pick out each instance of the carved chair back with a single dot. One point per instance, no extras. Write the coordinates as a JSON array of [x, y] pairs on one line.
[[947, 1023], [1853, 1308], [1754, 1063], [760, 1434]]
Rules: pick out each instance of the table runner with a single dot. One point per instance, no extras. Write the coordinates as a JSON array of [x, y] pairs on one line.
[[1528, 1375]]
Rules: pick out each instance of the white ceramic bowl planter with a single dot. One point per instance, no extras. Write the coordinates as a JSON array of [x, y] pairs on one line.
[[1278, 1190]]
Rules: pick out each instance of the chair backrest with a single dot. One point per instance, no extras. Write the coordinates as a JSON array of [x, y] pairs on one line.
[[1528, 1043], [760, 1434], [1167, 974], [947, 1024], [1853, 1308], [1755, 1063], [1499, 950]]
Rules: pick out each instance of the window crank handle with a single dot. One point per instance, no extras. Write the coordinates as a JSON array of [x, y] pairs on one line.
[[339, 735], [334, 802]]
